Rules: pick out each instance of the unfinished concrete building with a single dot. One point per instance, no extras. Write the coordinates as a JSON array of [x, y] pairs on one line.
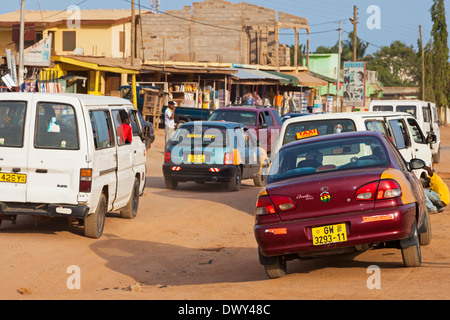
[[219, 31]]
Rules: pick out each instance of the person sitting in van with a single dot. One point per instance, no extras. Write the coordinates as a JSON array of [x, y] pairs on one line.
[[124, 130], [436, 191]]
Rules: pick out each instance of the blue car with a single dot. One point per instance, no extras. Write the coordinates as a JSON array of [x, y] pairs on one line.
[[290, 115], [214, 151]]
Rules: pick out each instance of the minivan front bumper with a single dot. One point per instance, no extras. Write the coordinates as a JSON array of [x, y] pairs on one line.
[[8, 209]]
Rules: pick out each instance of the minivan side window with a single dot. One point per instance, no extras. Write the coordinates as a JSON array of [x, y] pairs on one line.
[[426, 114], [377, 125], [118, 126], [135, 126], [400, 133], [409, 109], [56, 126], [101, 127], [416, 132], [383, 108], [12, 119]]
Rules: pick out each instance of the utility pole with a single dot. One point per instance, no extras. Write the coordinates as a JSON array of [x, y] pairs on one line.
[[423, 64], [338, 87], [355, 37], [21, 42], [133, 32]]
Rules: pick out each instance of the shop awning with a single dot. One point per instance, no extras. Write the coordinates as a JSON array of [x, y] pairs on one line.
[[97, 64], [288, 79], [250, 76], [305, 79]]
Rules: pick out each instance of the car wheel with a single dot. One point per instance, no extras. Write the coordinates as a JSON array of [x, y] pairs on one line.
[[235, 182], [130, 210], [94, 223], [171, 184], [261, 178], [412, 256], [425, 237], [277, 269]]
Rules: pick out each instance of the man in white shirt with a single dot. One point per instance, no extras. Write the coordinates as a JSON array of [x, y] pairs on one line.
[[169, 122]]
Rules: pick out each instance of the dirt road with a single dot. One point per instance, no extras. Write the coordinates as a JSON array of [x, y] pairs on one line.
[[197, 242]]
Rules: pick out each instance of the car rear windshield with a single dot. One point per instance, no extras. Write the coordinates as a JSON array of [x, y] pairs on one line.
[[201, 135], [304, 129], [245, 117], [12, 119], [331, 155]]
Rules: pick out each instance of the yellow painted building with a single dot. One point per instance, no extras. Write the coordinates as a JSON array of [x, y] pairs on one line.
[[97, 32], [94, 44]]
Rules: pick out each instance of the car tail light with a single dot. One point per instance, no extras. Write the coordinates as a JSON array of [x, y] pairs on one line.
[[378, 190], [85, 180], [274, 204], [228, 158], [167, 157]]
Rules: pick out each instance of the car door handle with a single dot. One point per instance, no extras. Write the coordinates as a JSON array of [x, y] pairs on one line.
[[41, 170]]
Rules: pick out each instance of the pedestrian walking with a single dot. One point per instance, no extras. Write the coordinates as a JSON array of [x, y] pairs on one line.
[[169, 122]]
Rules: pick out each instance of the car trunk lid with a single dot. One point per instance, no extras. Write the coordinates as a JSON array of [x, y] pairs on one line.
[[324, 194]]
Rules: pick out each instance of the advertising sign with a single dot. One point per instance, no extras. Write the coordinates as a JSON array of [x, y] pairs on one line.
[[38, 55], [354, 84]]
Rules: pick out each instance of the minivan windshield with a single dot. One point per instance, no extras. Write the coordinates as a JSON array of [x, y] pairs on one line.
[[332, 155], [12, 119]]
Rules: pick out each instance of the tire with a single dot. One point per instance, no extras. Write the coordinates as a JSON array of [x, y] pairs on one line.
[[171, 184], [235, 182], [94, 223], [412, 256], [260, 179], [277, 269], [425, 237], [130, 210]]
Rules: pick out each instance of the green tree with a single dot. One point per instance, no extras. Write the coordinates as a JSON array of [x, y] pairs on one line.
[[347, 49], [436, 57], [397, 65], [347, 46]]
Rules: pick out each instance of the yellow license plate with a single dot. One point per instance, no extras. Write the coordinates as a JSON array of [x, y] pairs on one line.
[[329, 234], [13, 177], [196, 158]]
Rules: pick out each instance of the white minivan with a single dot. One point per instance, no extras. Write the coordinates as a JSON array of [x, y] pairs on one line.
[[424, 112], [64, 155], [401, 127]]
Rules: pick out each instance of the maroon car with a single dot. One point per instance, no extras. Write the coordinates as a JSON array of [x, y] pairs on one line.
[[264, 122], [340, 193]]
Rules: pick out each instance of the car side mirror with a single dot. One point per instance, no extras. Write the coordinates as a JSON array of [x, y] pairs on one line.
[[431, 138], [417, 164]]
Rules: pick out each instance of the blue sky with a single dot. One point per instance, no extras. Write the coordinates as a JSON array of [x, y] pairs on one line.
[[399, 19]]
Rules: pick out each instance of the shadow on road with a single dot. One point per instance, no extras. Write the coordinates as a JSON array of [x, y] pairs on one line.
[[154, 263]]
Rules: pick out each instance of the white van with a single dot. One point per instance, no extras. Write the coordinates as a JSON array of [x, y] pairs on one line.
[[63, 155], [425, 113], [401, 127]]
